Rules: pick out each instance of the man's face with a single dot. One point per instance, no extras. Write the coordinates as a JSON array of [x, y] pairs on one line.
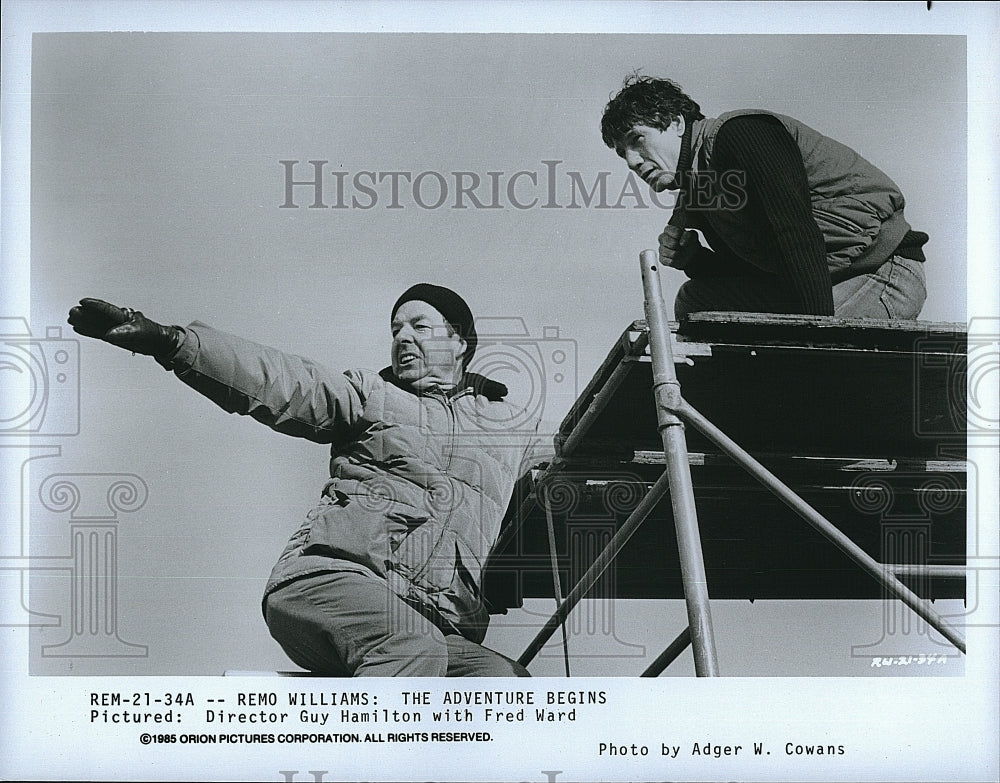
[[652, 153], [425, 350]]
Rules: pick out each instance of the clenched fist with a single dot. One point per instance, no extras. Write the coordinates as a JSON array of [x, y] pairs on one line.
[[678, 246]]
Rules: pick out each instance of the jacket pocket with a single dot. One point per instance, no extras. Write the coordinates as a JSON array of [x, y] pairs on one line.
[[849, 227], [425, 556], [343, 527], [830, 223]]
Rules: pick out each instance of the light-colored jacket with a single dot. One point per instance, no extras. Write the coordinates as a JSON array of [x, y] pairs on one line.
[[419, 483]]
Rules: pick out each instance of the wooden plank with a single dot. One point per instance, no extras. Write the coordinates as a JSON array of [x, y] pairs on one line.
[[828, 331]]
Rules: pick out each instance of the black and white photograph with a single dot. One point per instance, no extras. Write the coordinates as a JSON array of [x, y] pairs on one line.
[[646, 352]]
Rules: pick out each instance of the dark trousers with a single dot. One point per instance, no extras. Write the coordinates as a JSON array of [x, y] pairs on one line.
[[348, 623]]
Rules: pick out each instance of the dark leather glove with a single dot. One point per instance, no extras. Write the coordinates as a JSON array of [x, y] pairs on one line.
[[126, 328]]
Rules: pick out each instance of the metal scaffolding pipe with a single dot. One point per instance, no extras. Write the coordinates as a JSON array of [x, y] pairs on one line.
[[514, 526], [939, 571], [880, 572], [672, 414], [598, 404], [667, 391], [668, 656], [598, 567]]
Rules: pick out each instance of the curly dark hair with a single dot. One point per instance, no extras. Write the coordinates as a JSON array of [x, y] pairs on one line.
[[645, 100]]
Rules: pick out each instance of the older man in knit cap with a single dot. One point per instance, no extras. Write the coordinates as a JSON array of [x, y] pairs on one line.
[[383, 578]]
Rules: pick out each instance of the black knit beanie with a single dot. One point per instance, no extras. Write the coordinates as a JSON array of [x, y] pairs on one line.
[[453, 307]]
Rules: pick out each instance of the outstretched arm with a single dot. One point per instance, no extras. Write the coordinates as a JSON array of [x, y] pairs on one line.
[[290, 394]]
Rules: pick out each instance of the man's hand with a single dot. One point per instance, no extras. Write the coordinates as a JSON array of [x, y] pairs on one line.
[[128, 329], [678, 246]]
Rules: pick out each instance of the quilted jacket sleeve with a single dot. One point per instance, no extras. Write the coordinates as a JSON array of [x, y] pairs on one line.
[[290, 394], [541, 447]]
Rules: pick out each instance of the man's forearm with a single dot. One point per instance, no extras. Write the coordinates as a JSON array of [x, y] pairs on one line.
[[288, 393]]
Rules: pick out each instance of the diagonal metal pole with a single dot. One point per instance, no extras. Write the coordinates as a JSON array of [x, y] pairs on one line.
[[597, 568], [882, 573], [667, 393], [668, 656], [554, 556]]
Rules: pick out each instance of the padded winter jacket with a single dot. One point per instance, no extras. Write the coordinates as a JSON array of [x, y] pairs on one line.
[[419, 483]]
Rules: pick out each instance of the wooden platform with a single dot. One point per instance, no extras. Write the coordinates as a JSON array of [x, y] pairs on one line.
[[865, 419]]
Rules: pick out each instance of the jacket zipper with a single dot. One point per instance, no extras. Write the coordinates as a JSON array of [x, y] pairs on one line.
[[839, 221], [452, 425]]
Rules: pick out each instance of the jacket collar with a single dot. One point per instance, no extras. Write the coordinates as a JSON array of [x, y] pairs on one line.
[[696, 141], [492, 390], [686, 157]]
